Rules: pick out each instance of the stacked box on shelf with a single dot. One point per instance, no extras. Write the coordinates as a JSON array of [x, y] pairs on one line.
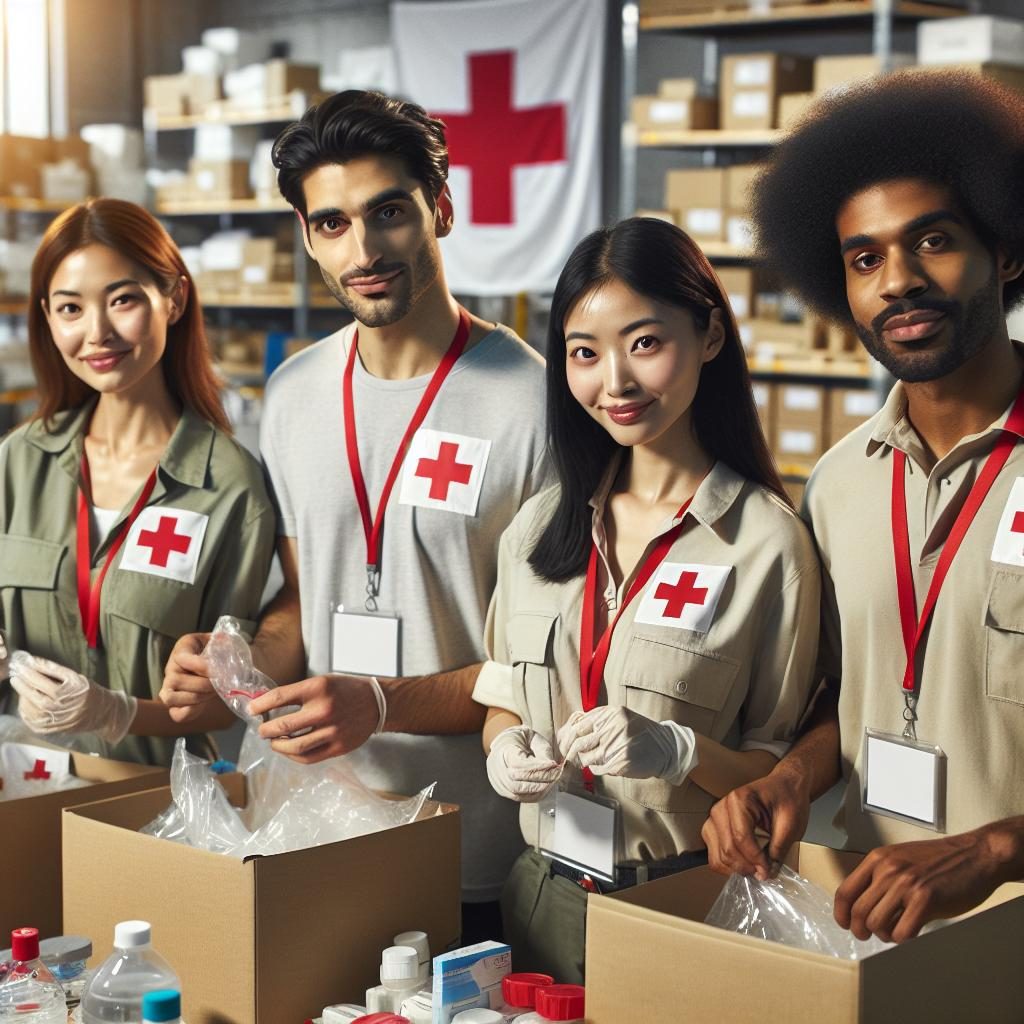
[[697, 200], [800, 425], [678, 106], [973, 40], [752, 84], [738, 180], [847, 409], [667, 8]]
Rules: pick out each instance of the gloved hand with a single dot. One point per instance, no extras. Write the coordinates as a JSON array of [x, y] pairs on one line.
[[53, 698], [617, 741], [521, 765]]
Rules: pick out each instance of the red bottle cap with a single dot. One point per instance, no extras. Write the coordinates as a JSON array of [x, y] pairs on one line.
[[520, 990], [25, 944], [382, 1018], [561, 1002]]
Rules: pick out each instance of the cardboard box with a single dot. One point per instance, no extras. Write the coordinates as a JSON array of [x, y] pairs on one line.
[[848, 408], [977, 39], [738, 180], [697, 200], [765, 402], [738, 283], [839, 73], [220, 179], [800, 423], [678, 88], [265, 940], [201, 91], [30, 854], [667, 8], [752, 83], [658, 113], [793, 106], [283, 77], [678, 967], [20, 159], [166, 95]]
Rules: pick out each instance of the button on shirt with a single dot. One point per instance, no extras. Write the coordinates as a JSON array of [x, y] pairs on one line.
[[202, 472], [742, 677], [969, 664]]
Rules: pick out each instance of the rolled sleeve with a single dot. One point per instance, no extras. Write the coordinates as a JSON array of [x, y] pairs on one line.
[[494, 687]]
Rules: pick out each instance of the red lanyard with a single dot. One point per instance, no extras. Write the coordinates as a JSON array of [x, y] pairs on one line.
[[914, 627], [89, 595], [372, 529], [593, 659]]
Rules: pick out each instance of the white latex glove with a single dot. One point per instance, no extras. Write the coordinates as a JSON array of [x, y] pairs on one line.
[[53, 698], [617, 741], [521, 765]]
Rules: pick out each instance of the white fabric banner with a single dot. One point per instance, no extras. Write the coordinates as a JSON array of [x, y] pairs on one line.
[[518, 85]]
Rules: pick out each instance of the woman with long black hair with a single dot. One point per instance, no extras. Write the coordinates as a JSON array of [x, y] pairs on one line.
[[654, 628]]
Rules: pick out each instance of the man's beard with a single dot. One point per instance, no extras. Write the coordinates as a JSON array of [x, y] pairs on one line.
[[971, 330], [388, 309]]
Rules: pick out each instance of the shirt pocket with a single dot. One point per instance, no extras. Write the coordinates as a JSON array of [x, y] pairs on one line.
[[666, 681], [530, 637], [1004, 638], [31, 568]]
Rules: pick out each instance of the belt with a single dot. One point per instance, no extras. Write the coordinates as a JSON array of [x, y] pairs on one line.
[[628, 875]]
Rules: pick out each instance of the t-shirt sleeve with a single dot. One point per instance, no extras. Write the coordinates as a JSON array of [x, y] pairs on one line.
[[495, 684], [784, 676], [273, 470]]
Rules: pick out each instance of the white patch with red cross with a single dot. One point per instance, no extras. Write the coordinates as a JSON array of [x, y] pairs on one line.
[[1009, 542], [683, 595], [444, 471], [165, 542]]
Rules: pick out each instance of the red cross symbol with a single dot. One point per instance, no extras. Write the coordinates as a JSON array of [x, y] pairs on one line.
[[444, 471], [680, 595], [495, 137], [164, 540], [38, 771], [1018, 523]]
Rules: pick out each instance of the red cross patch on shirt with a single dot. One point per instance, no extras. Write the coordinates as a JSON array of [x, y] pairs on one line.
[[683, 595], [1008, 546], [444, 471], [165, 542]]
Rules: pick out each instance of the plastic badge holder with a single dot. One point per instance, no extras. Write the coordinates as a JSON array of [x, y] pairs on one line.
[[787, 909]]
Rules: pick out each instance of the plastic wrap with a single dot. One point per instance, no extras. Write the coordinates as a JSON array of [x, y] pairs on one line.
[[787, 909], [13, 785], [290, 806]]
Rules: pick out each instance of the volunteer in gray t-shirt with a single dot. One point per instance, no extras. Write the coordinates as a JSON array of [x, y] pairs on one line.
[[367, 175]]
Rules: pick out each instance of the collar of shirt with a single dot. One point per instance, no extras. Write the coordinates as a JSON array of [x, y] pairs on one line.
[[186, 458]]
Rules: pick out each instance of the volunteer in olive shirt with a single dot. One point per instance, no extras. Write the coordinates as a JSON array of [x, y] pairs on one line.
[[902, 231], [128, 515]]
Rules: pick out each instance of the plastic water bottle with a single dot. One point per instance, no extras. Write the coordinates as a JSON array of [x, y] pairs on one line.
[[29, 993], [161, 1007], [114, 995]]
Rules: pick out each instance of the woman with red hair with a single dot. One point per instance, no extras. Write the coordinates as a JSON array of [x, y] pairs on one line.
[[128, 514]]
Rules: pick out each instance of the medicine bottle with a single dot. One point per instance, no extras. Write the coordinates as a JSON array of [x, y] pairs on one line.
[[520, 990]]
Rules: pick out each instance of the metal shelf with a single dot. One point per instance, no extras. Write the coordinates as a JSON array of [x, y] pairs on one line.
[[789, 16], [708, 139], [225, 116], [18, 205]]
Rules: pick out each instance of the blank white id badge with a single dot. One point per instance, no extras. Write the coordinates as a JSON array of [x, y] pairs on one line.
[[584, 833], [365, 643], [904, 779]]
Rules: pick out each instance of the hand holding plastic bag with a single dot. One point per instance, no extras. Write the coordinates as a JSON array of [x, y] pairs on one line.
[[232, 674], [787, 909]]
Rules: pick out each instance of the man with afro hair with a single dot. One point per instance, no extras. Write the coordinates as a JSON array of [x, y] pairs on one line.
[[897, 208]]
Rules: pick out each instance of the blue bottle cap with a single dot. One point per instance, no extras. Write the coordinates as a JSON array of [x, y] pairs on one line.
[[222, 767], [162, 1005]]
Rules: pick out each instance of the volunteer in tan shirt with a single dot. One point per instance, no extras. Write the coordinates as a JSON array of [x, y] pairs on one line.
[[668, 559], [921, 510]]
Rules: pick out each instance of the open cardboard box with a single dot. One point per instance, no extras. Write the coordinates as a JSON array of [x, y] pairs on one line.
[[269, 939], [30, 840], [651, 959]]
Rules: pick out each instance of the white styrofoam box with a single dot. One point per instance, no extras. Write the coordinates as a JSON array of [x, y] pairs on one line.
[[236, 47], [262, 172], [192, 257], [247, 86], [64, 182], [225, 142], [224, 250], [201, 60], [114, 145], [365, 67], [972, 40], [128, 183]]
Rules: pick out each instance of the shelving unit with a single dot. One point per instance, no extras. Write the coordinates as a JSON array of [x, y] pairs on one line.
[[224, 115], [706, 139], [225, 206]]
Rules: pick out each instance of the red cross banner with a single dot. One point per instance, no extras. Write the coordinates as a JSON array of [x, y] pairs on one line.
[[165, 542], [30, 768], [518, 86], [1009, 543], [682, 595], [444, 471]]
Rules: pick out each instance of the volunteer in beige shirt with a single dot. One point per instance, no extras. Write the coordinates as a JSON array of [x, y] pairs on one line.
[[918, 514], [655, 621], [128, 515]]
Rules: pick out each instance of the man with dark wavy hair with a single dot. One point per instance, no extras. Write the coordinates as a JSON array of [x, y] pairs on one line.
[[398, 450], [898, 209]]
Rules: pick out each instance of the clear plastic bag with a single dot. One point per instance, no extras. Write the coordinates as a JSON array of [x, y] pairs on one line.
[[787, 909], [290, 806]]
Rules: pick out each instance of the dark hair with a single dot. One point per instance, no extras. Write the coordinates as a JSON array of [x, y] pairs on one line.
[[138, 236], [358, 123], [952, 128], [658, 260]]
